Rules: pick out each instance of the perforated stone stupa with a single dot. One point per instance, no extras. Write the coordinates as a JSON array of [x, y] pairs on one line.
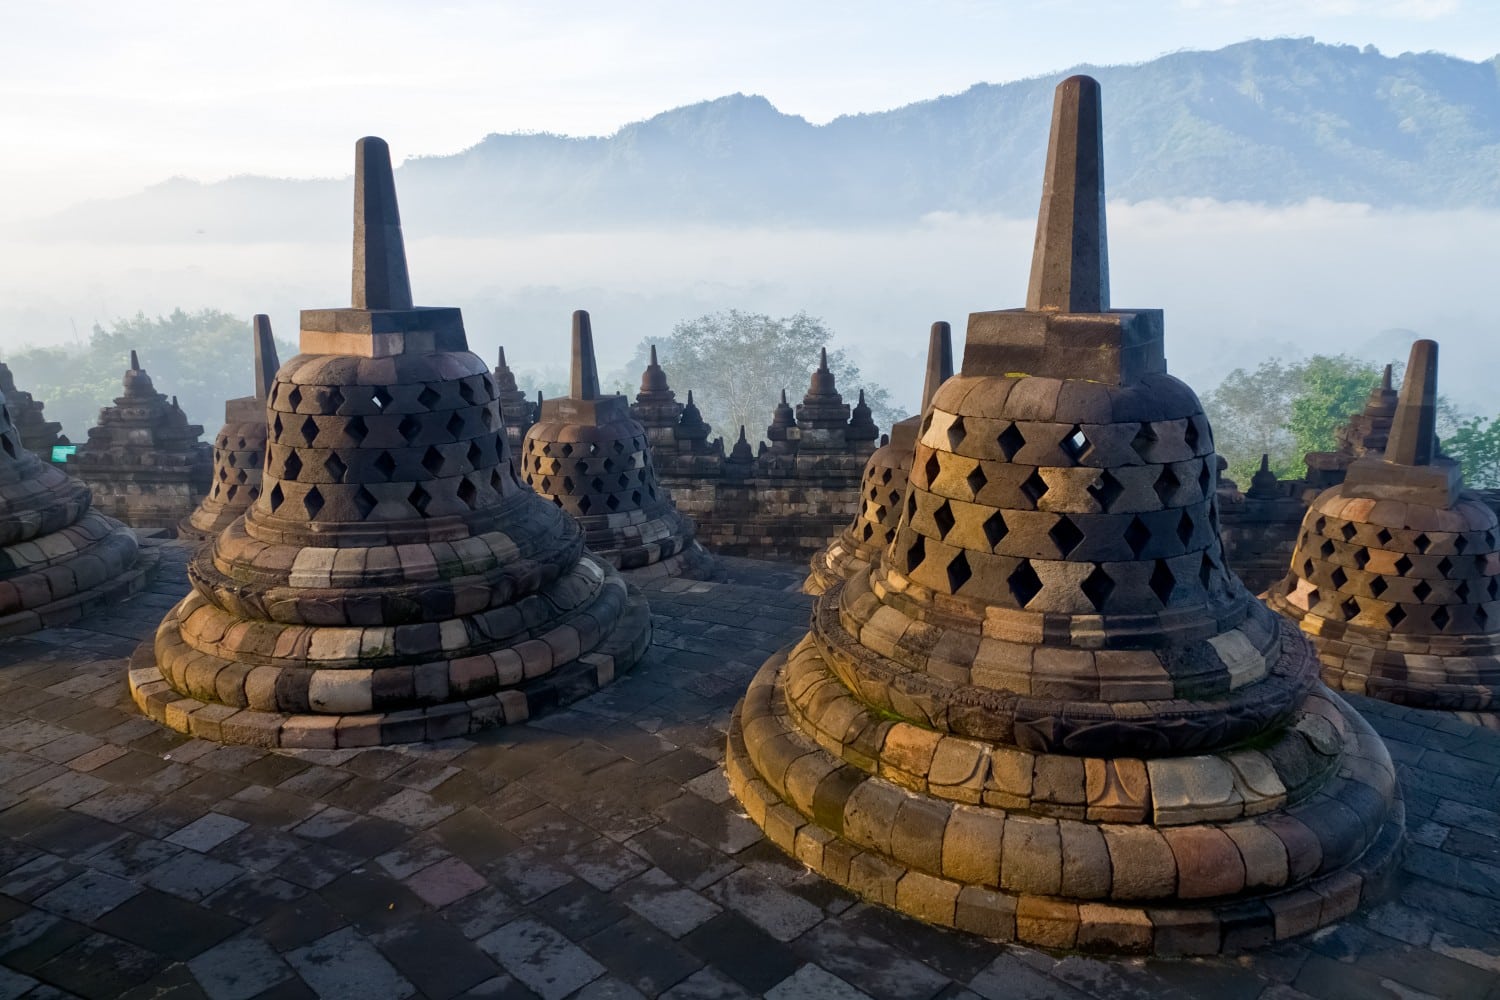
[[882, 488], [1050, 713], [394, 581], [1396, 575], [1365, 433], [239, 447], [37, 433], [59, 558], [143, 460], [588, 455]]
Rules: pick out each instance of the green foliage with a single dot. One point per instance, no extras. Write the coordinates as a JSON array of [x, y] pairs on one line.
[[738, 363], [1285, 411], [1476, 444], [202, 358]]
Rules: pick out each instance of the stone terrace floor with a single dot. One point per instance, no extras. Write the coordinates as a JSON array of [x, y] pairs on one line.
[[592, 853]]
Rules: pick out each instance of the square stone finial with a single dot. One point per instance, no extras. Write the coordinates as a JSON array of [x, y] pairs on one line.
[[585, 368], [1070, 263], [939, 361], [1411, 470], [266, 361], [380, 277]]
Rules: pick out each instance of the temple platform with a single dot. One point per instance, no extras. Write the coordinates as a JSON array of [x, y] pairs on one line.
[[592, 852]]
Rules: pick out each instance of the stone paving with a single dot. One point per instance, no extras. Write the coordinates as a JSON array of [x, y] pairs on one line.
[[591, 853]]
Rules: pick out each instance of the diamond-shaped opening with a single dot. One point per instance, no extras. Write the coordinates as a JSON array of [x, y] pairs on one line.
[[432, 460], [487, 418], [1445, 565], [386, 464], [1326, 550], [608, 466], [466, 391], [1035, 487], [1205, 480], [1384, 537], [1206, 571], [1348, 531], [977, 480], [294, 398], [1106, 490], [995, 528], [943, 518], [1494, 587], [356, 429], [1097, 587], [1361, 557], [1319, 525], [866, 532], [585, 504], [1339, 577], [1422, 542], [242, 476], [926, 422], [1403, 565], [596, 484], [292, 468], [1167, 484], [1075, 443], [419, 498], [1190, 434], [495, 480], [911, 505], [931, 469], [1441, 618], [1024, 584], [468, 493], [309, 430], [428, 398], [622, 480], [333, 400], [1481, 616], [885, 476], [455, 425], [276, 426], [381, 397], [313, 502], [1137, 535], [1011, 440], [1423, 590], [567, 484], [1349, 609], [1065, 535], [335, 467], [1185, 527], [635, 497], [619, 447], [956, 433], [474, 454], [1307, 568], [612, 501], [276, 497], [567, 449], [231, 460], [1378, 586], [1162, 581], [546, 484], [874, 493], [364, 502], [958, 573], [1143, 441], [409, 428], [1459, 544], [1395, 616], [916, 553], [1462, 591]]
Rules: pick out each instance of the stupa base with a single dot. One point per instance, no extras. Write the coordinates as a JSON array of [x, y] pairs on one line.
[[1084, 884], [558, 684], [839, 561], [91, 564], [691, 563]]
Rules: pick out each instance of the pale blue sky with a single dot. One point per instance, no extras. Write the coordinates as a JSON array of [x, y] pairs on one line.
[[100, 98]]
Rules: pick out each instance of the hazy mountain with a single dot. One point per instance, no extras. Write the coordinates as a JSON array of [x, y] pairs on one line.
[[1274, 122]]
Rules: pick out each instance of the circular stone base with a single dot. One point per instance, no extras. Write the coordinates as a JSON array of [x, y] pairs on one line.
[[131, 580], [564, 683], [837, 562], [692, 563], [905, 850]]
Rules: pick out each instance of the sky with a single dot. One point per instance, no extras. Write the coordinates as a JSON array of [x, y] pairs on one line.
[[100, 98]]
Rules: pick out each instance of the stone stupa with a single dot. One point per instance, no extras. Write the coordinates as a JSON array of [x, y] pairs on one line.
[[588, 455], [883, 485], [59, 558], [37, 433], [394, 581], [1050, 713], [239, 447], [1365, 433], [1396, 574]]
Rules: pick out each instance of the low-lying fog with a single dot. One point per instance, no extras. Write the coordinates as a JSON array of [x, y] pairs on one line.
[[1239, 283]]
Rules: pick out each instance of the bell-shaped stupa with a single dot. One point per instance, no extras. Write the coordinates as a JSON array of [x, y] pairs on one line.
[[239, 447], [394, 581], [59, 558], [591, 458], [1049, 712], [38, 434], [1396, 574], [882, 487]]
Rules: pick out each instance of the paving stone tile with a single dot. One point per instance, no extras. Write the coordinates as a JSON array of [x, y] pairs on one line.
[[167, 925], [414, 809], [776, 911], [238, 969], [546, 961], [707, 984], [481, 913], [868, 962], [192, 876], [604, 864], [344, 963], [101, 965], [445, 882], [31, 939], [718, 828], [253, 897], [685, 858], [207, 832], [609, 988], [742, 951], [37, 876], [371, 900], [642, 955], [666, 903], [813, 983], [528, 874], [87, 896], [435, 956]]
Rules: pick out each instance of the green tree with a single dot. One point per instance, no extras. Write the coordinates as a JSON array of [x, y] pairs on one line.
[[738, 363], [1331, 388], [202, 358], [1476, 444]]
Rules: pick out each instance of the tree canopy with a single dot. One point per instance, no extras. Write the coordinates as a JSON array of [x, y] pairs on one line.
[[738, 363]]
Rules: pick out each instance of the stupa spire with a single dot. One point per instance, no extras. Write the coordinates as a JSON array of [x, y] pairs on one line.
[[380, 277], [1413, 439], [585, 369], [1070, 262], [939, 360], [266, 361], [135, 362]]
